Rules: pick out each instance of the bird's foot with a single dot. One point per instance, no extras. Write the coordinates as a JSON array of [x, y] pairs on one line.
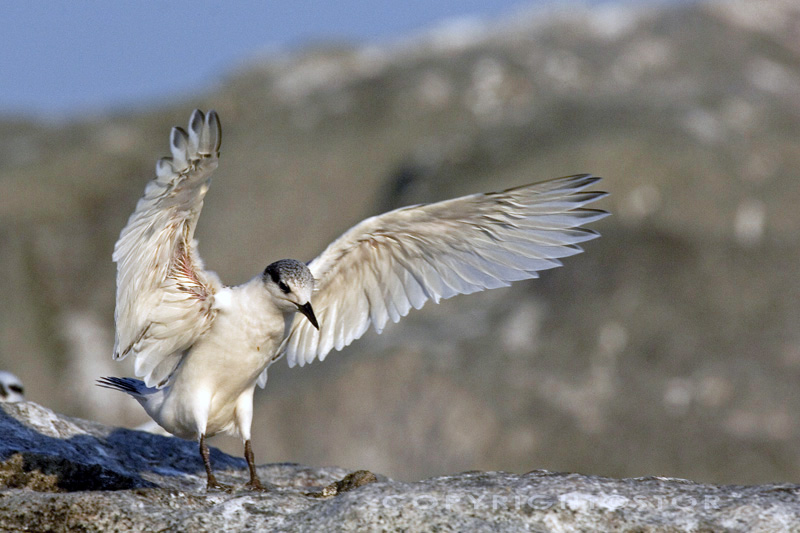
[[213, 484], [347, 483], [255, 485]]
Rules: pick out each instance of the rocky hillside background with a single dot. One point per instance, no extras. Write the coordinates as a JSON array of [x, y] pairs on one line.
[[671, 347]]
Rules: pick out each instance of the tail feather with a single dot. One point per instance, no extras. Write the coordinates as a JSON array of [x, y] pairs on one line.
[[134, 387]]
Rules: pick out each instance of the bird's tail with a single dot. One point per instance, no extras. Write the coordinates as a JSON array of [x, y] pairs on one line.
[[134, 387]]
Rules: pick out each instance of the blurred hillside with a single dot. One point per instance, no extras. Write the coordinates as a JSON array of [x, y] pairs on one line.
[[671, 347]]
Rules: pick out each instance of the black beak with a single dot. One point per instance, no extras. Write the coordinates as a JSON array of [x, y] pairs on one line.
[[306, 310]]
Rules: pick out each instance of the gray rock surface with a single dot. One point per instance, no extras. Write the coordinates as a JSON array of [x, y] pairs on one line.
[[671, 347], [65, 474]]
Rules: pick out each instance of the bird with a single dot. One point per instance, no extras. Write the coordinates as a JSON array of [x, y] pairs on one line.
[[201, 347], [11, 389]]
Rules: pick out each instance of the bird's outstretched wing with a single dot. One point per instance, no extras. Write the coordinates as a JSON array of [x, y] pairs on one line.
[[164, 296], [384, 266]]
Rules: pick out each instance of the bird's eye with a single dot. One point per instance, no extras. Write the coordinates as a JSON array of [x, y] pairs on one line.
[[284, 287], [15, 388]]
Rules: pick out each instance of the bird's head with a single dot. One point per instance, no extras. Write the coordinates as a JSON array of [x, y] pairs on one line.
[[290, 283]]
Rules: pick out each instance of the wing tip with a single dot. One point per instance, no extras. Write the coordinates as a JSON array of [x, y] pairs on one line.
[[211, 136], [572, 183], [584, 177], [578, 182], [179, 146], [587, 216], [202, 138], [196, 121]]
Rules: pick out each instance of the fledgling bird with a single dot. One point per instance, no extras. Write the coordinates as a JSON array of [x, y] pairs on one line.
[[202, 347]]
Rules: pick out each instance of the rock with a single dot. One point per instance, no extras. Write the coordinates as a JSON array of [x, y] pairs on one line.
[[62, 474], [671, 346]]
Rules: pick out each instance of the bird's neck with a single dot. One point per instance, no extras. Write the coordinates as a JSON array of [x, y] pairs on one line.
[[248, 298]]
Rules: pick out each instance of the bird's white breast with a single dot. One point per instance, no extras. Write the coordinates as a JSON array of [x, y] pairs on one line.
[[227, 361]]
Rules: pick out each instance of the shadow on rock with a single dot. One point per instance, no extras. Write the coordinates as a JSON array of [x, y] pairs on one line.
[[46, 452]]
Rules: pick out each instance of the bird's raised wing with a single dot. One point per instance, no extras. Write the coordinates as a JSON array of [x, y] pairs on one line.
[[164, 296], [387, 264]]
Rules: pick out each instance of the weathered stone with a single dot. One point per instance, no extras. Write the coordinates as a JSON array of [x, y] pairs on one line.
[[62, 474]]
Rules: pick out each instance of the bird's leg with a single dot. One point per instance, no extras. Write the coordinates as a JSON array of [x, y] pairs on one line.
[[254, 483], [206, 455]]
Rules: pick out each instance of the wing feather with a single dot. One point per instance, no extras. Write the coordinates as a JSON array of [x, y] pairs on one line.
[[164, 295], [381, 268]]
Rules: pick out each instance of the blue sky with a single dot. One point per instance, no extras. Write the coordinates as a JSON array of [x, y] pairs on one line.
[[63, 58]]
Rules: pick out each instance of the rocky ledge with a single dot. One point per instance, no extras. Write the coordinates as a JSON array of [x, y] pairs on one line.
[[62, 474]]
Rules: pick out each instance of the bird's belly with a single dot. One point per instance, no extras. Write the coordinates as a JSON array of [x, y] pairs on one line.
[[212, 377]]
